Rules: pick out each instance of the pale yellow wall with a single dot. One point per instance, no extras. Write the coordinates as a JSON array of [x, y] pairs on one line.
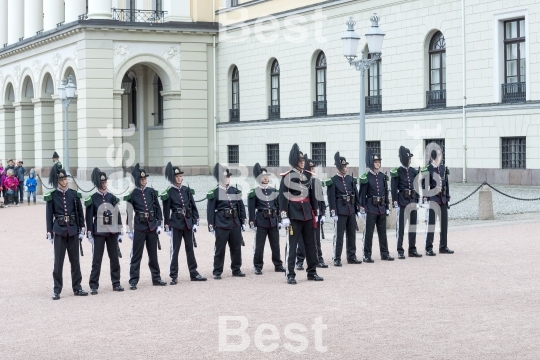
[[201, 10]]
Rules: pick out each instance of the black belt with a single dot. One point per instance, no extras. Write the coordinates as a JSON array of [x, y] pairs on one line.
[[268, 213], [347, 199], [145, 216], [409, 194], [63, 219], [377, 200], [228, 213]]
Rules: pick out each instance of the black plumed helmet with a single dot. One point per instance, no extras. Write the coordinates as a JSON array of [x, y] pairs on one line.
[[55, 155], [56, 174], [97, 177], [404, 155], [171, 172], [220, 172], [138, 174], [295, 155], [339, 161], [258, 170], [369, 159]]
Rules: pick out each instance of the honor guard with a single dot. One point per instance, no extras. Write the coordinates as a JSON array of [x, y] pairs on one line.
[[344, 202], [375, 206], [226, 214], [144, 229], [263, 213], [65, 229], [104, 228], [181, 221], [299, 210], [438, 194], [300, 250], [405, 199]]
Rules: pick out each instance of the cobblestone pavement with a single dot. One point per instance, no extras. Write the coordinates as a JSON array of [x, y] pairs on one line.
[[479, 303]]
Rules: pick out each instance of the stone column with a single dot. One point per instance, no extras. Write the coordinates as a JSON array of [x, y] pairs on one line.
[[58, 127], [24, 132], [15, 20], [43, 134], [177, 10], [75, 8], [3, 22], [100, 9], [173, 142], [53, 11], [7, 132], [33, 17], [73, 126]]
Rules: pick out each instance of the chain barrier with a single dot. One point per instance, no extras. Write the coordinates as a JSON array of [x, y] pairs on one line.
[[43, 184], [468, 196], [510, 196]]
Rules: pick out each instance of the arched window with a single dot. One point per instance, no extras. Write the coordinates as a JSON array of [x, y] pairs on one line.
[[160, 101], [319, 107], [437, 71], [274, 109], [235, 86]]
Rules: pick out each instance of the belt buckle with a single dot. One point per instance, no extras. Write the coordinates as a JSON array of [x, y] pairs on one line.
[[67, 218], [348, 198], [147, 215]]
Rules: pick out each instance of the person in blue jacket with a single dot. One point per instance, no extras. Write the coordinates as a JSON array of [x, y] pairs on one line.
[[31, 185]]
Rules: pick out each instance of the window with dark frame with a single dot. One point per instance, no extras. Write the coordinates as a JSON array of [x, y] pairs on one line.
[[234, 154], [234, 3], [235, 86], [134, 102], [436, 96], [318, 153], [319, 106], [514, 88], [272, 155], [160, 102], [274, 109], [159, 5], [439, 142], [374, 146], [513, 153], [374, 98]]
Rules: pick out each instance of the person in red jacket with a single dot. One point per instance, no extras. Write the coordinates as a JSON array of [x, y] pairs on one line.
[[11, 185]]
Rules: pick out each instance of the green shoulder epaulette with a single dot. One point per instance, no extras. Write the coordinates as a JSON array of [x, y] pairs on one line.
[[386, 178], [363, 178], [447, 171], [327, 182], [79, 195], [127, 197], [251, 193], [355, 180], [88, 201], [394, 172], [210, 195], [192, 191], [164, 194], [48, 196], [156, 192], [425, 169], [116, 200]]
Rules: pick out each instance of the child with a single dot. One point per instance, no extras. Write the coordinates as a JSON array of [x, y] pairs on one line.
[[31, 184], [11, 184]]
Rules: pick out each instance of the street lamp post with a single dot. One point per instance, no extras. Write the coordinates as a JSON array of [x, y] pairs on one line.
[[351, 40], [66, 92]]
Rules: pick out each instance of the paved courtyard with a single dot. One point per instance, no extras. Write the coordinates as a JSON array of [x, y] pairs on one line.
[[480, 303]]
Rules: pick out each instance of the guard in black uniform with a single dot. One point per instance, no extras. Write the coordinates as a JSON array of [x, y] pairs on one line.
[[299, 211], [375, 206], [226, 215], [65, 229], [145, 228], [263, 213], [300, 250], [104, 225], [344, 202], [405, 199], [181, 221], [439, 194]]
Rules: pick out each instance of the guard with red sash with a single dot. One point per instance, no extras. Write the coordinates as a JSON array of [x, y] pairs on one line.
[[104, 226], [299, 211]]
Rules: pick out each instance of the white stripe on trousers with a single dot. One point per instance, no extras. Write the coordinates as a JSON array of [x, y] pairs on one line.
[[397, 226], [427, 227], [53, 256], [334, 241], [172, 248], [364, 237], [287, 252]]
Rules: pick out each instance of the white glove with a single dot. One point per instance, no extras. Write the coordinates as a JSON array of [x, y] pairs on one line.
[[119, 238], [243, 227], [211, 229], [49, 237], [130, 236], [195, 227], [279, 226], [333, 215], [323, 219], [169, 233], [81, 236], [285, 222], [362, 211], [358, 215], [387, 212], [159, 230], [166, 228], [396, 205], [425, 203], [91, 240]]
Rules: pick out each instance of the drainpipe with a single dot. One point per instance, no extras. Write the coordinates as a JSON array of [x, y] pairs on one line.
[[464, 92]]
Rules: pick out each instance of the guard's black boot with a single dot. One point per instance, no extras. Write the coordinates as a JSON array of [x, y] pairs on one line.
[[198, 278], [239, 274], [337, 263], [118, 288], [446, 250], [217, 277], [93, 291], [159, 282], [315, 277], [387, 258], [322, 265], [414, 254], [56, 296], [258, 272], [430, 253], [280, 269], [353, 261], [299, 266], [368, 260], [132, 286], [80, 293], [174, 281], [401, 256], [291, 281]]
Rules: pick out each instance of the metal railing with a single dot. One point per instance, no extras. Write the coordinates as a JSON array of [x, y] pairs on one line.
[[274, 112], [234, 115], [83, 17], [134, 15], [436, 99], [373, 103], [319, 108], [514, 92]]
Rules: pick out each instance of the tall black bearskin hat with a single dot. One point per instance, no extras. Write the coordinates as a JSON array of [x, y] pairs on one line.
[[258, 170], [56, 174], [339, 161], [221, 172], [171, 172], [97, 177], [404, 155], [138, 174], [55, 155], [295, 155]]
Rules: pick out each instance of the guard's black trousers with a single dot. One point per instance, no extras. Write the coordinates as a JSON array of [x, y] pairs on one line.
[[176, 242], [400, 230], [234, 238], [151, 240], [444, 228], [98, 249], [346, 224], [301, 250], [258, 246], [373, 220], [302, 233], [60, 245]]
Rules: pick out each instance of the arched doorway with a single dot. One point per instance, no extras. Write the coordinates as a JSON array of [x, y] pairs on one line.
[[24, 124], [44, 123], [7, 123]]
